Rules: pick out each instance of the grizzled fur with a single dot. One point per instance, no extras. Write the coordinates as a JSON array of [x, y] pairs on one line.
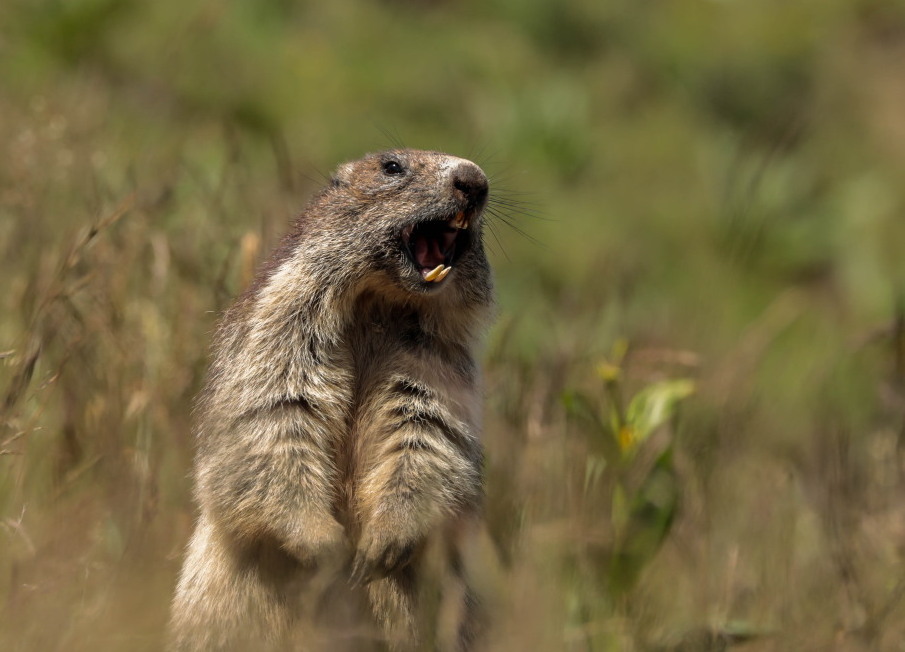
[[339, 462]]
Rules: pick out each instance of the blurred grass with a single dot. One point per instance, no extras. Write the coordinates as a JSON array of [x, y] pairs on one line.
[[721, 185]]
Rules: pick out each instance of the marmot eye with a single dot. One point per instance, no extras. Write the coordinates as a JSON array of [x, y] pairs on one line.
[[393, 167]]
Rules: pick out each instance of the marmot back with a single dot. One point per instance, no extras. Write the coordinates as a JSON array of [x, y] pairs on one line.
[[339, 427]]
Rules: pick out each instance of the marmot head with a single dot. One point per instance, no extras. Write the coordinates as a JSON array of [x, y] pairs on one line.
[[422, 210]]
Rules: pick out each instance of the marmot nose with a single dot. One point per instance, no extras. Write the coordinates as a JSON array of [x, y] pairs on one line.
[[469, 182]]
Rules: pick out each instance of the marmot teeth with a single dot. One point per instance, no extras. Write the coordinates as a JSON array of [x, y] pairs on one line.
[[459, 221], [438, 273], [434, 273]]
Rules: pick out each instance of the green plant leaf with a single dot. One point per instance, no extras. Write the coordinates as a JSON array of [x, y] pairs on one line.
[[651, 511], [620, 511], [652, 407], [594, 468], [582, 408]]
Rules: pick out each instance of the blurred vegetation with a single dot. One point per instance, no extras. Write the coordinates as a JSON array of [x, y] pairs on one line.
[[715, 197]]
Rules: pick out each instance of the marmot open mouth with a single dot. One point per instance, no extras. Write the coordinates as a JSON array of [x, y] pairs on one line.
[[434, 246]]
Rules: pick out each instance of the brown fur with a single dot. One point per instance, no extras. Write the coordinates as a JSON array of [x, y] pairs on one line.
[[339, 462]]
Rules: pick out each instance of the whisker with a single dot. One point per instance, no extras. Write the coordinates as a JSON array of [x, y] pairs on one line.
[[502, 174], [318, 179], [515, 197], [392, 135], [502, 217], [499, 244], [524, 208], [479, 154], [508, 195], [518, 209]]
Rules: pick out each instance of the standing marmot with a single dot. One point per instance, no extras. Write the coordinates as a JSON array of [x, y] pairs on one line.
[[338, 428]]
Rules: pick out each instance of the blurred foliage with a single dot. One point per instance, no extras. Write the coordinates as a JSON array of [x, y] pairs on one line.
[[641, 490], [713, 193]]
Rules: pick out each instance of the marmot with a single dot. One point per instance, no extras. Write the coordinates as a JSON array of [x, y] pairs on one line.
[[338, 428]]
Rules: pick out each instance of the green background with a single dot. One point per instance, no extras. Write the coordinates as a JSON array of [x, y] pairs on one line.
[[717, 185]]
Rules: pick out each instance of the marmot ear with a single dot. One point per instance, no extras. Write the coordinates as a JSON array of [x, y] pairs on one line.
[[342, 175]]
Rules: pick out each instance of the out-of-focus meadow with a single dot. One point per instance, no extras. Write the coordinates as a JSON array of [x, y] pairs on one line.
[[695, 389]]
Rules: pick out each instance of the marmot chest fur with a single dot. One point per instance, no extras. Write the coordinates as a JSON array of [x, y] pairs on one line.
[[341, 414]]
